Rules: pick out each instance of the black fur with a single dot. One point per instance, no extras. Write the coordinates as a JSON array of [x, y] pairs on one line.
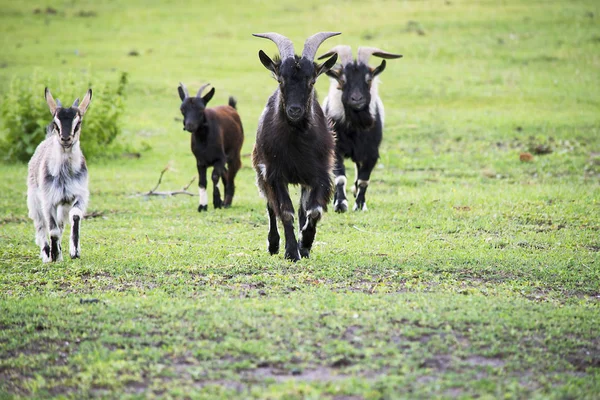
[[294, 146], [358, 133]]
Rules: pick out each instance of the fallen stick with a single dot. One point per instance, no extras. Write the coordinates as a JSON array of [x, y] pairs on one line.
[[184, 190]]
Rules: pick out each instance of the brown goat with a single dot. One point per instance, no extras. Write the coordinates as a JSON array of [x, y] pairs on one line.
[[217, 138]]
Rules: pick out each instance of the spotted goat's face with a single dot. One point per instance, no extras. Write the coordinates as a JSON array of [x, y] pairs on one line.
[[66, 122], [355, 80]]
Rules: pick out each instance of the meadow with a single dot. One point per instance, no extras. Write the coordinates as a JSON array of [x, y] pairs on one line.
[[473, 274]]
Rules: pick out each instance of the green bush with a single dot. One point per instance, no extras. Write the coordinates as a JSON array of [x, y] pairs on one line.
[[25, 114]]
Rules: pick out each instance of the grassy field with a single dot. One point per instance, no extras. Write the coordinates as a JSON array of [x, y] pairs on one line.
[[473, 274]]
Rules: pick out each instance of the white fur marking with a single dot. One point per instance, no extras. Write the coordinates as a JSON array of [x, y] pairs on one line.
[[203, 196], [340, 179], [263, 170]]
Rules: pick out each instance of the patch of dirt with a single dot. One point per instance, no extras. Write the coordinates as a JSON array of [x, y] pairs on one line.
[[584, 359], [480, 361], [440, 362]]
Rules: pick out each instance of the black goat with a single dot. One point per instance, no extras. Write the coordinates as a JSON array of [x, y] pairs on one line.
[[294, 144], [356, 113], [217, 138]]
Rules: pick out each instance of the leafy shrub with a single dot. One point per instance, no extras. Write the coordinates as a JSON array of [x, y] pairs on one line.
[[25, 114]]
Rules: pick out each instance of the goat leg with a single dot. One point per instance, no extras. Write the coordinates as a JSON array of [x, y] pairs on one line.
[[217, 173], [75, 217], [203, 202], [273, 237], [340, 202], [362, 183], [55, 235]]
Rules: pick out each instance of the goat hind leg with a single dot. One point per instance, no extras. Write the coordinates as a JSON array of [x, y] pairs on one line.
[[218, 172], [340, 202], [228, 179]]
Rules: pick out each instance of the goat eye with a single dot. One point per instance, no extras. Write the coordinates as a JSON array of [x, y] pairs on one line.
[[77, 127], [369, 80], [55, 127]]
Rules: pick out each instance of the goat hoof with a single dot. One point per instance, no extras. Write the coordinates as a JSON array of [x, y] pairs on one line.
[[74, 256], [341, 207], [292, 255], [304, 253], [218, 204], [226, 205], [203, 208], [274, 249]]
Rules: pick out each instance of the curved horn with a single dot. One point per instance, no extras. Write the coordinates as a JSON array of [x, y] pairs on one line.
[[58, 103], [284, 45], [312, 43], [201, 89], [364, 53], [76, 102], [344, 53], [184, 89]]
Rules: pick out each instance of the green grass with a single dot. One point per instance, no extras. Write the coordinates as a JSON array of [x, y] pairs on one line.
[[473, 274]]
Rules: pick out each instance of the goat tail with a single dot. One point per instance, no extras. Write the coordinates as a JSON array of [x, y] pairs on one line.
[[232, 102]]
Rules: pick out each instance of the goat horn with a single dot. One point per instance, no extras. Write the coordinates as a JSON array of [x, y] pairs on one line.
[[76, 102], [285, 45], [364, 53], [185, 91], [312, 43], [344, 53], [201, 89], [58, 103]]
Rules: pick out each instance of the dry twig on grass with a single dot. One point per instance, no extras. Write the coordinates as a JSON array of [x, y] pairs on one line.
[[184, 190]]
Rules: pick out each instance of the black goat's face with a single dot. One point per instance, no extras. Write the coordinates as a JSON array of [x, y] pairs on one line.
[[355, 80], [192, 109], [296, 77], [66, 122]]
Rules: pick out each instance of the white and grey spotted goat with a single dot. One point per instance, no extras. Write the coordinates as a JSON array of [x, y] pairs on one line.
[[57, 182], [356, 112]]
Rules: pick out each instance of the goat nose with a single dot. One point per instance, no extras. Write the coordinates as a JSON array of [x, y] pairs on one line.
[[356, 97], [295, 110]]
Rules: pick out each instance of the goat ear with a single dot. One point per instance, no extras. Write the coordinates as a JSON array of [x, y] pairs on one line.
[[326, 66], [267, 62], [206, 98], [379, 69], [333, 73], [50, 100], [85, 103], [181, 93]]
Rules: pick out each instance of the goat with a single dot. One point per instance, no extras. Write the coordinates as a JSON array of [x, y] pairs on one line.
[[217, 138], [294, 144], [356, 113], [57, 180]]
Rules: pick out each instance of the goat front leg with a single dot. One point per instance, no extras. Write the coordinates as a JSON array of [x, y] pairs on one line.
[[41, 237], [203, 202], [314, 200], [286, 214], [273, 237], [75, 217], [219, 172], [340, 202], [363, 174], [56, 225]]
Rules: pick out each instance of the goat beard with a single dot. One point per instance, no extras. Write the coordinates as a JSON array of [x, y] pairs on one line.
[[361, 118]]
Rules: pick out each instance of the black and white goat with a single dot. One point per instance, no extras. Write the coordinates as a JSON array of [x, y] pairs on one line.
[[294, 144], [57, 181], [217, 138], [356, 113]]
